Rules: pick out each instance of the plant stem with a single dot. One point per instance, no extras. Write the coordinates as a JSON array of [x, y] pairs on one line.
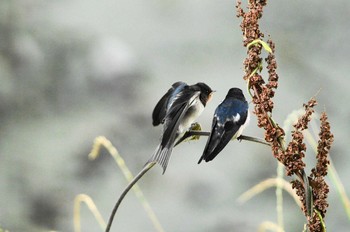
[[206, 133], [102, 141], [126, 190]]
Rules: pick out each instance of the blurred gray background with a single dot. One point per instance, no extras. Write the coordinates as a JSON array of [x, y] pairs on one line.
[[73, 70]]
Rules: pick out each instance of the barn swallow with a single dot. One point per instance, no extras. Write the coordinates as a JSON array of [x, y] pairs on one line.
[[181, 106], [230, 118]]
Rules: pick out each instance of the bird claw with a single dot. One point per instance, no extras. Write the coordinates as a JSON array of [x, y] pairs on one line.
[[188, 136]]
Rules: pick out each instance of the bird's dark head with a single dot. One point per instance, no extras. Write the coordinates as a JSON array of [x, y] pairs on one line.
[[236, 93], [206, 92]]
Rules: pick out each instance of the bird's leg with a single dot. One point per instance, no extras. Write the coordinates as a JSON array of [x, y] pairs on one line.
[[194, 131]]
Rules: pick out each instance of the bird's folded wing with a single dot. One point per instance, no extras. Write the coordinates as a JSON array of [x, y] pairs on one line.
[[175, 116]]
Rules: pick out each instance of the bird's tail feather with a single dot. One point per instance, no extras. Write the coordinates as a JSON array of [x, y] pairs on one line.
[[161, 156]]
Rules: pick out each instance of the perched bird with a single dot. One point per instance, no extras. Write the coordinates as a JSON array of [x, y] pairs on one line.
[[230, 118], [177, 110]]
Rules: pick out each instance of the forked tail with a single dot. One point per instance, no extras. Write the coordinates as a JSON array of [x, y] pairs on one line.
[[161, 156]]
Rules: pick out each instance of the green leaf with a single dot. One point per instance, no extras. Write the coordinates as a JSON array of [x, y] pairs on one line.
[[264, 44]]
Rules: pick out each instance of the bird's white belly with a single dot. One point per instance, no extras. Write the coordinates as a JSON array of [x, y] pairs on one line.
[[191, 115], [239, 132]]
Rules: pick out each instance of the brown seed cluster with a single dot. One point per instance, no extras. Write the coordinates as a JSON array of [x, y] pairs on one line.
[[291, 155], [326, 139], [271, 67], [314, 224], [262, 93], [319, 186], [295, 151], [250, 29], [250, 25], [300, 191]]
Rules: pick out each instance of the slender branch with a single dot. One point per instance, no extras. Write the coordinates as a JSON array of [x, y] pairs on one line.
[[253, 139], [145, 169], [102, 141], [206, 133]]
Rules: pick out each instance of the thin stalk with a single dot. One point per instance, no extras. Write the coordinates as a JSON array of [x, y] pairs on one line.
[[102, 141], [206, 133], [126, 190]]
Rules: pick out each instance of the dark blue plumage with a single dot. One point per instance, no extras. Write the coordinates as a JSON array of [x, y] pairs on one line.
[[177, 110], [230, 118]]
